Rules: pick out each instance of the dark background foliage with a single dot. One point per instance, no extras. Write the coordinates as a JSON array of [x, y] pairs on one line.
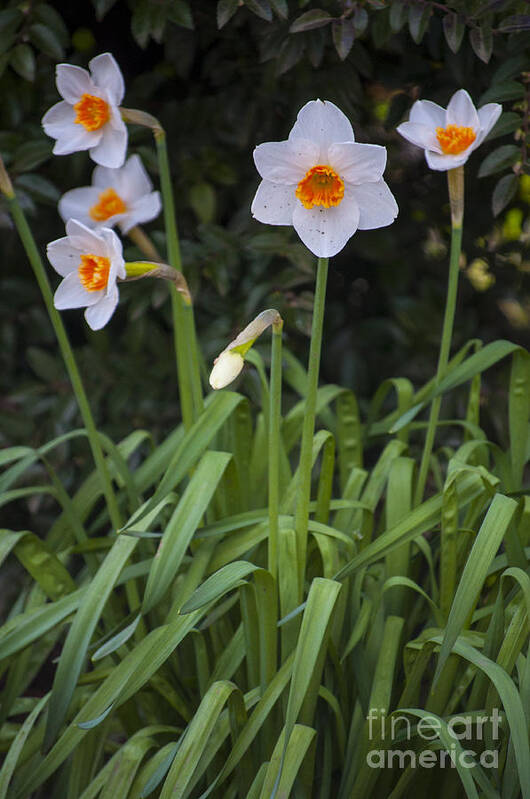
[[223, 77]]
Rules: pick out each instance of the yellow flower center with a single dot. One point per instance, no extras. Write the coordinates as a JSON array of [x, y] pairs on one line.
[[94, 272], [92, 112], [321, 186], [109, 204], [454, 139]]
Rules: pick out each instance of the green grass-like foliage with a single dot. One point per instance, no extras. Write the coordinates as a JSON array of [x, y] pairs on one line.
[[185, 669]]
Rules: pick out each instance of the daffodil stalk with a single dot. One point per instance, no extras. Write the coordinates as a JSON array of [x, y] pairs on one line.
[[303, 497], [227, 367], [275, 411], [34, 258], [455, 180], [182, 310], [144, 243]]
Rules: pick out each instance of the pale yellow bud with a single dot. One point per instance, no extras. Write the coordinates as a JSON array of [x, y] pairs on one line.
[[226, 368]]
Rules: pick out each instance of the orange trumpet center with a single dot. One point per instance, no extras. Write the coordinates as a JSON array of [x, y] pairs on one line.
[[321, 186], [94, 272], [109, 204], [91, 112], [455, 139]]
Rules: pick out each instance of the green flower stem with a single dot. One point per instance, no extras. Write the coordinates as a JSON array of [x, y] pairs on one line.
[[275, 415], [144, 243], [193, 356], [68, 356], [455, 178], [183, 322], [305, 466]]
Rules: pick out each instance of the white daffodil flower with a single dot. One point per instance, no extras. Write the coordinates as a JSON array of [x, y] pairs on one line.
[[323, 182], [88, 117], [449, 136], [90, 262], [122, 196]]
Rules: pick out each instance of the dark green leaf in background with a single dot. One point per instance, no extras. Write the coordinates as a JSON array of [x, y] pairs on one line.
[[360, 20], [51, 18], [316, 18], [46, 40], [454, 29], [260, 7], [343, 34], [225, 11], [398, 15], [23, 61], [102, 7], [32, 154], [500, 92], [515, 24], [281, 8], [180, 14], [503, 193], [419, 16], [481, 39], [501, 158]]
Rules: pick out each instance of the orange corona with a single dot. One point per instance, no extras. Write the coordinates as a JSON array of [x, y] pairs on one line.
[[91, 112], [109, 204], [320, 186], [94, 272], [454, 139]]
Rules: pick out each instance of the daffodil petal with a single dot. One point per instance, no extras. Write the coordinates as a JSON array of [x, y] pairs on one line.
[[274, 203], [58, 120], [488, 116], [325, 231], [98, 315], [130, 181], [107, 74], [285, 161], [461, 111], [322, 122], [425, 112], [72, 82], [62, 256], [111, 150], [442, 162], [76, 139], [84, 239], [115, 253], [136, 181], [377, 204], [76, 204], [71, 294], [420, 135], [142, 210], [358, 163]]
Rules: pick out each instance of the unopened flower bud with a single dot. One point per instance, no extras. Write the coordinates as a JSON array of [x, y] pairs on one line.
[[226, 368]]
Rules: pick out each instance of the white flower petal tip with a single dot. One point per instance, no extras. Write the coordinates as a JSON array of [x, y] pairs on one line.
[[121, 196], [449, 136], [309, 180], [90, 263], [226, 368], [88, 117]]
